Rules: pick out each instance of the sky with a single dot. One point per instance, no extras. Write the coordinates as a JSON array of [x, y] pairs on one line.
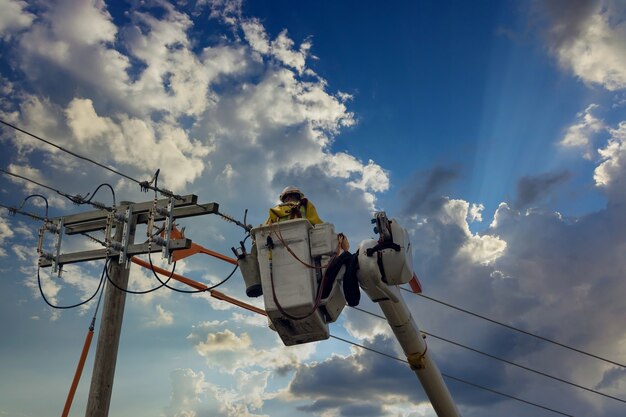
[[493, 131]]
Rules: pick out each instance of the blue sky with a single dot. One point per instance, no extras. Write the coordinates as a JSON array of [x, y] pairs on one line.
[[494, 131]]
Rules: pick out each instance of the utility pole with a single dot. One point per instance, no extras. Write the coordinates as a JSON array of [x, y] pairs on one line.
[[119, 251], [109, 333]]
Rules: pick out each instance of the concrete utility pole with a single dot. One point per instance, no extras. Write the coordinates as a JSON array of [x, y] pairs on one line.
[[109, 334], [119, 252]]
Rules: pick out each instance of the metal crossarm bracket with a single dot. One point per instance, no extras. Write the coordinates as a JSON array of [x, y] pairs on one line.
[[136, 249], [96, 220]]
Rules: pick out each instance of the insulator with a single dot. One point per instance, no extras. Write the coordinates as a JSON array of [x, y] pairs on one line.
[[99, 205], [116, 245]]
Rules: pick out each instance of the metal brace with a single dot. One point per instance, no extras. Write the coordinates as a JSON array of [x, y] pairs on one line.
[[56, 268], [57, 229], [169, 220], [125, 237]]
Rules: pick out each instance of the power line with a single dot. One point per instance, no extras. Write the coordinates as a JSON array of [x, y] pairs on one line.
[[526, 368], [508, 326], [145, 185], [454, 378], [13, 210], [76, 199]]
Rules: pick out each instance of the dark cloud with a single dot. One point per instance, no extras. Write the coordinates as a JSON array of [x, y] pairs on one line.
[[425, 194], [532, 189], [567, 17], [362, 410], [612, 378], [362, 379], [558, 277]]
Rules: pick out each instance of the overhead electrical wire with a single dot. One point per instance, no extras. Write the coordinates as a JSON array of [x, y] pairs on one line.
[[13, 210], [145, 185], [76, 199], [508, 326], [526, 368], [452, 377]]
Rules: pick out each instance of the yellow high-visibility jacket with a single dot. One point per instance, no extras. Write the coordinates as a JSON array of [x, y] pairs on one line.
[[287, 211]]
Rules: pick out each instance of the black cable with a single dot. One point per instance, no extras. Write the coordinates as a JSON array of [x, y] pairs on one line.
[[74, 305], [508, 326], [526, 368], [36, 195], [98, 188], [126, 290], [455, 378], [190, 291], [145, 185]]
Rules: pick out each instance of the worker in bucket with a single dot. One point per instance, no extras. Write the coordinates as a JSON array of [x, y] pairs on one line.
[[293, 206]]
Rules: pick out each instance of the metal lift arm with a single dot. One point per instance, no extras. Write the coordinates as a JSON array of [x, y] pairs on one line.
[[382, 267]]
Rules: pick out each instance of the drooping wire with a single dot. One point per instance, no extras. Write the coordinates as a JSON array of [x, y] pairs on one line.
[[126, 290], [33, 196], [73, 305], [164, 283], [508, 326], [526, 368], [453, 377], [98, 188]]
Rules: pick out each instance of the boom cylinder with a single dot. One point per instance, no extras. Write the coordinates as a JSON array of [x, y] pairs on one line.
[[416, 351]]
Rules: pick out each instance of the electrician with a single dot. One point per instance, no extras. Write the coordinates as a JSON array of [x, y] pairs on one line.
[[294, 206]]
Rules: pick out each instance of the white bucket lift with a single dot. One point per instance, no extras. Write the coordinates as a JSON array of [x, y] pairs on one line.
[[290, 285]]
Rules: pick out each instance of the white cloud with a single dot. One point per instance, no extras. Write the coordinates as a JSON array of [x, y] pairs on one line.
[[481, 249], [223, 341], [162, 318], [611, 171], [475, 213], [14, 17], [5, 233], [593, 46], [581, 133], [153, 145], [188, 388], [256, 36], [283, 49], [363, 326], [231, 351], [229, 11], [22, 252]]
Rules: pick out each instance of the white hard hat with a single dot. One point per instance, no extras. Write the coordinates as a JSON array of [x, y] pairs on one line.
[[291, 190]]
